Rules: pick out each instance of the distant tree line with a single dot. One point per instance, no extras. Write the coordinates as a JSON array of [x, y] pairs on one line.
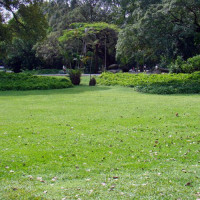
[[38, 34]]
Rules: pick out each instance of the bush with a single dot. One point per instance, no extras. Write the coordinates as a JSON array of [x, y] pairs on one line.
[[176, 67], [11, 81], [189, 66], [193, 64], [92, 82], [75, 76], [155, 83]]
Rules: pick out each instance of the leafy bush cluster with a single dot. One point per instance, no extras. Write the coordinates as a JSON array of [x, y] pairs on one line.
[[155, 83], [11, 81], [75, 76], [189, 66], [92, 82]]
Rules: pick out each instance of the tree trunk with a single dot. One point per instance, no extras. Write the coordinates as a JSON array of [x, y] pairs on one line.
[[96, 59], [105, 53]]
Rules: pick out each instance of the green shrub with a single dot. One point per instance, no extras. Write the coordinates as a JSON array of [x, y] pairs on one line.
[[189, 66], [176, 66], [193, 64], [155, 83], [92, 82], [75, 76], [11, 81]]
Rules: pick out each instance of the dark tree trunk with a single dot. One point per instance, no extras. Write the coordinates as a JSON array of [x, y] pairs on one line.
[[141, 68], [96, 59]]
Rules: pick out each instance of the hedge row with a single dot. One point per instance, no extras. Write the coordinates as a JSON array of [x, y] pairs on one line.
[[11, 81], [155, 83]]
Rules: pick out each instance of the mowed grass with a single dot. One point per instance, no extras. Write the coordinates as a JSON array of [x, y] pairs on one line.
[[99, 143]]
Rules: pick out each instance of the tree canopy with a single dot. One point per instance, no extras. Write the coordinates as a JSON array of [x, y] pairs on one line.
[[153, 32], [98, 38]]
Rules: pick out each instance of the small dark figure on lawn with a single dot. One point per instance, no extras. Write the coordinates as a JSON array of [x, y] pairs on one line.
[[92, 82]]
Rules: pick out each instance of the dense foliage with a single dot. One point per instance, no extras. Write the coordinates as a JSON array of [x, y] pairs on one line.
[[189, 66], [75, 76], [160, 31], [55, 33], [23, 24], [88, 42], [10, 81], [155, 83]]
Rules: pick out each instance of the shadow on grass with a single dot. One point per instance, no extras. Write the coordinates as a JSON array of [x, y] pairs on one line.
[[73, 90]]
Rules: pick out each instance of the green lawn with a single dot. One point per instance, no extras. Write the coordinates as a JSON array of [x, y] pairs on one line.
[[99, 143]]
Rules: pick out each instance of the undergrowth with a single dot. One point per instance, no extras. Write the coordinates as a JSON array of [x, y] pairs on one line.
[[155, 83], [11, 81]]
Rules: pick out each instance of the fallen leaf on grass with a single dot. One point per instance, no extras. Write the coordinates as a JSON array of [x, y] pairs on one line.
[[40, 179], [54, 179], [183, 170], [198, 194], [188, 184], [91, 191], [30, 177], [144, 184], [112, 187]]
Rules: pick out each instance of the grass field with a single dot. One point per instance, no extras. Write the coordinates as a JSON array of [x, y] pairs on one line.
[[99, 143]]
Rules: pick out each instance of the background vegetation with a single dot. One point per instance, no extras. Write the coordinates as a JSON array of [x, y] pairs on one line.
[[9, 81], [84, 33], [155, 83], [100, 142]]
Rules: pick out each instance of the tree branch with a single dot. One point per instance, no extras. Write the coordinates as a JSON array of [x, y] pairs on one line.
[[195, 17], [7, 7]]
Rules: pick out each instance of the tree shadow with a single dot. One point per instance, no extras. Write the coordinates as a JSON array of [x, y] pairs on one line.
[[72, 90]]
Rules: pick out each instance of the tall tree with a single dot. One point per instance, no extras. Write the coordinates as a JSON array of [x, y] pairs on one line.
[[161, 28], [25, 26], [99, 38]]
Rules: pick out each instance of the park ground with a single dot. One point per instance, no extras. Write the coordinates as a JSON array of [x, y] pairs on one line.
[[99, 143]]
